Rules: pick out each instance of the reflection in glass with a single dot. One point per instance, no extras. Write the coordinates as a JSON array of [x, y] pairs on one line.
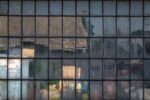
[[28, 7], [95, 69], [3, 26], [146, 69], [28, 68], [96, 8], [55, 7], [109, 69], [123, 7], [123, 48], [136, 8], [3, 7], [109, 7], [3, 69], [69, 8], [146, 90], [136, 48], [15, 7], [147, 26], [146, 7], [82, 7], [3, 47], [42, 7], [3, 90], [147, 48]]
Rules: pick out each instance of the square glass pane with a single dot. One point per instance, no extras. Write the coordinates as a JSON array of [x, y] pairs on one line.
[[14, 26], [96, 8], [96, 47], [109, 26], [136, 48], [95, 90], [3, 7], [136, 69], [41, 7], [3, 47], [146, 90], [96, 29], [109, 8], [123, 90], [55, 47], [146, 8], [68, 7], [55, 69], [68, 26], [136, 27], [82, 69], [28, 7], [95, 69], [146, 69], [41, 68], [136, 8], [122, 27], [28, 26], [82, 90], [3, 26], [147, 47], [68, 69], [14, 90], [122, 8], [3, 88], [123, 69], [55, 26], [41, 47], [14, 47], [82, 7], [147, 26], [68, 90], [136, 90], [55, 7], [123, 48], [82, 48], [69, 47], [109, 90], [15, 7], [109, 69], [28, 69], [3, 69], [109, 48]]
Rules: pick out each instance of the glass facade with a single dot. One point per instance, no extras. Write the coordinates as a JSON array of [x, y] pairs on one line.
[[74, 49]]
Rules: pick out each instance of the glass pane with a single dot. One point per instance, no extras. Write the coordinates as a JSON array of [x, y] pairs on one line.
[[28, 8], [28, 26], [109, 48], [14, 26], [42, 7], [146, 69], [96, 47], [146, 8], [55, 7], [3, 26], [136, 48], [109, 7], [82, 48], [68, 69], [14, 47], [28, 69], [69, 8], [123, 69], [96, 8], [109, 90], [123, 48], [123, 90], [147, 26], [14, 90], [3, 90], [122, 27], [109, 69], [123, 7], [68, 90], [3, 7], [82, 69], [82, 7], [82, 90], [136, 69], [55, 69], [14, 7], [3, 69], [3, 47], [69, 47], [147, 48], [95, 90], [109, 26], [96, 27], [146, 90], [55, 47], [55, 26], [41, 90], [136, 27], [136, 8], [136, 90], [41, 68], [41, 47], [95, 69]]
